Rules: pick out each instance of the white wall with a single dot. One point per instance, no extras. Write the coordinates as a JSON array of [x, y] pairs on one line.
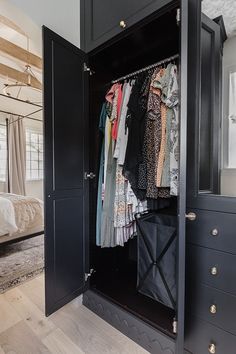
[[229, 57], [62, 16], [34, 189], [2, 187], [228, 182]]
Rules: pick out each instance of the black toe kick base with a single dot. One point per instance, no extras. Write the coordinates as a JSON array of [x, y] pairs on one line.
[[149, 338]]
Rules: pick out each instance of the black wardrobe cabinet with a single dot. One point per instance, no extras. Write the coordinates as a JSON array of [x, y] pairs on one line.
[[102, 20], [119, 37]]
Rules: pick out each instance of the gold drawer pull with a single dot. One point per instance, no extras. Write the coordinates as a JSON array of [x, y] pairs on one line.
[[212, 348], [214, 271], [213, 309], [214, 232], [122, 24]]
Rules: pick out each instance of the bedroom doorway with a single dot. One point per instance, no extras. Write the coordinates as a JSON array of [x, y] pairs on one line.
[[21, 149]]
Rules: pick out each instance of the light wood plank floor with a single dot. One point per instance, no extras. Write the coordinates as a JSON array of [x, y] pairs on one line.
[[74, 329]]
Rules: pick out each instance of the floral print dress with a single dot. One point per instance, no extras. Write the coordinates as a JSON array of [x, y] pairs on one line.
[[153, 138], [173, 102]]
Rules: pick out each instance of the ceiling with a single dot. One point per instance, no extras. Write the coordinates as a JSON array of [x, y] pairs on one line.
[[226, 8]]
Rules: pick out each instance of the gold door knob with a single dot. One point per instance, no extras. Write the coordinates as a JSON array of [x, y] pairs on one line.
[[212, 348], [214, 271], [122, 24], [213, 309], [214, 232]]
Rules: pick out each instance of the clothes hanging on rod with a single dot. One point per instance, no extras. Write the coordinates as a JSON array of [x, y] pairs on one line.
[[140, 149], [152, 66], [136, 121]]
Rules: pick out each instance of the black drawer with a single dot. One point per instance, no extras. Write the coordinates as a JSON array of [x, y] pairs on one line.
[[201, 231], [200, 336], [214, 306], [211, 267]]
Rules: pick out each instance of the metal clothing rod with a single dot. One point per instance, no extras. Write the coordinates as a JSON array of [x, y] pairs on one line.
[[146, 68]]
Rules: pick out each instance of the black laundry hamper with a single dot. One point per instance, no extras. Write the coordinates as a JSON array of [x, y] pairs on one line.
[[157, 240]]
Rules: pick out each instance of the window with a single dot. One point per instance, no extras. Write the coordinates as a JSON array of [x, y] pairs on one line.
[[34, 155], [3, 153]]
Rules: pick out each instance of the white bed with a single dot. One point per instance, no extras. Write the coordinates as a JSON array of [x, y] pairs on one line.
[[19, 216]]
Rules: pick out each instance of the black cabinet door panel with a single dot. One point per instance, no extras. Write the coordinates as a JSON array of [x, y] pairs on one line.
[[200, 336], [213, 268], [209, 120], [204, 124], [68, 132], [101, 19], [68, 260], [65, 132]]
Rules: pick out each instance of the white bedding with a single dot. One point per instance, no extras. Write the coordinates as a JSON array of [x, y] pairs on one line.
[[18, 214]]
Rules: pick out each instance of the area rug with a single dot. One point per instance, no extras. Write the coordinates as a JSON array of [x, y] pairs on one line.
[[20, 262]]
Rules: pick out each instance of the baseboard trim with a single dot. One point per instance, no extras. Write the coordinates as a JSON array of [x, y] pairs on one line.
[[149, 338]]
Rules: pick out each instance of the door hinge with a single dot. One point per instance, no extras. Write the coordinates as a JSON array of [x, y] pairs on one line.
[[89, 70], [88, 275], [175, 326], [178, 18]]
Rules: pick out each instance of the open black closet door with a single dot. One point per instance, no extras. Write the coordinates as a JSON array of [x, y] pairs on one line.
[[190, 19], [65, 132]]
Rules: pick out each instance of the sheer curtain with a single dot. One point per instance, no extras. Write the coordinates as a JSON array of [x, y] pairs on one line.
[[17, 155]]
